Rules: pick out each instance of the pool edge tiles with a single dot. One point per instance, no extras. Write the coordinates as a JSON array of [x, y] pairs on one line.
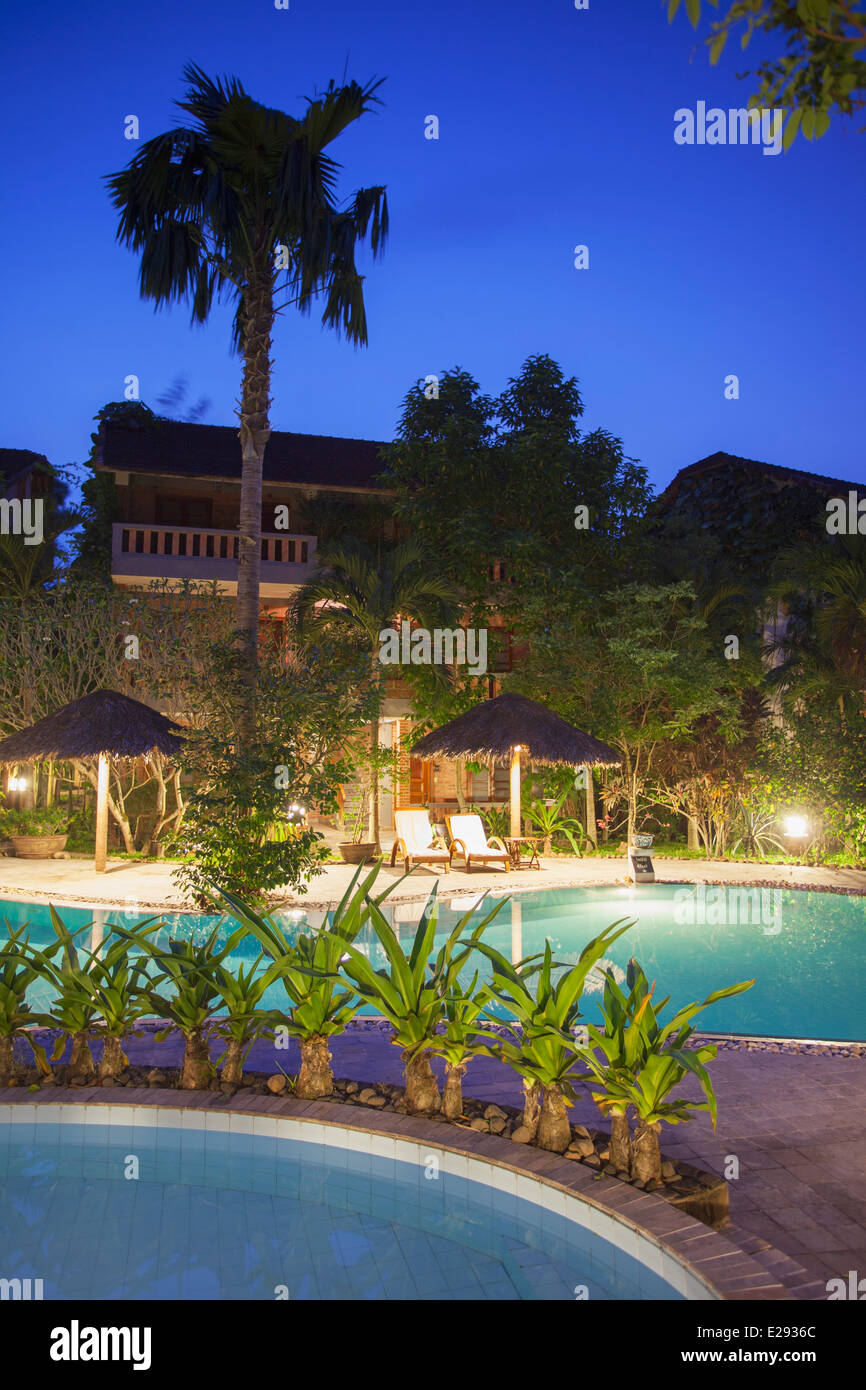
[[690, 1257]]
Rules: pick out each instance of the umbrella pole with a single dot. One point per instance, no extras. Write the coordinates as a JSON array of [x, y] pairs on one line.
[[515, 792], [101, 847]]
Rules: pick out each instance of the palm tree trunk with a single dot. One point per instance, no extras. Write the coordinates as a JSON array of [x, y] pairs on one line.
[[374, 764], [422, 1090], [7, 1064], [452, 1091], [81, 1068], [620, 1143], [114, 1060], [554, 1130], [315, 1079], [197, 1067], [256, 325], [646, 1155], [531, 1105], [233, 1063]]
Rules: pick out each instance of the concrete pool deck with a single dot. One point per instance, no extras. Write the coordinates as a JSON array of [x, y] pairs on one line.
[[131, 883]]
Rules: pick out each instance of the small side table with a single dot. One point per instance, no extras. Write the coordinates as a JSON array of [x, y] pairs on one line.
[[514, 844]]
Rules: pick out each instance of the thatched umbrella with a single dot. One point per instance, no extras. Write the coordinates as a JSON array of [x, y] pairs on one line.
[[505, 727], [101, 725]]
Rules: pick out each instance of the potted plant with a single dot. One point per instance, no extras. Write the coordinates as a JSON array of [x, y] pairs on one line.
[[36, 834], [356, 850]]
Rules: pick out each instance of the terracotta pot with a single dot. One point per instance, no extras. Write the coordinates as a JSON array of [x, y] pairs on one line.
[[357, 854], [37, 846]]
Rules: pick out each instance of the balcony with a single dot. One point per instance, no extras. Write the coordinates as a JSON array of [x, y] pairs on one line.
[[142, 553]]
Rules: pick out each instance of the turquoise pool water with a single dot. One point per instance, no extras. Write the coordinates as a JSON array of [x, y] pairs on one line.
[[219, 1216], [806, 951]]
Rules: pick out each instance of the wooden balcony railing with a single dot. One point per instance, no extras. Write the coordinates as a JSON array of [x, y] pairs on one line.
[[199, 543]]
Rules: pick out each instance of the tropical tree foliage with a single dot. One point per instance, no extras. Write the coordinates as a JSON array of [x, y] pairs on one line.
[[819, 66]]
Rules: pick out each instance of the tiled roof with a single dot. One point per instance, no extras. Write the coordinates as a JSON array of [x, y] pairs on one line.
[[214, 451], [14, 461], [772, 471]]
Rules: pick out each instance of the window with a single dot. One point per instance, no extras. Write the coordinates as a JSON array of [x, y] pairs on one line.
[[480, 788], [501, 782]]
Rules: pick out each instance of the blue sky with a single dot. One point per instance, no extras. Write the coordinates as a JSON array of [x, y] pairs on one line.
[[556, 129]]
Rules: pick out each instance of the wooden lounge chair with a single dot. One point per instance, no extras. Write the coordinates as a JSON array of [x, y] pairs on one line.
[[417, 841], [469, 838]]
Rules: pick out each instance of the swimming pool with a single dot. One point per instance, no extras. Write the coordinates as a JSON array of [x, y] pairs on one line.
[[805, 950], [167, 1209]]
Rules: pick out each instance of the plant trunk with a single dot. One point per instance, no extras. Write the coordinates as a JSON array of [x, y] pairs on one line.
[[7, 1062], [198, 1071], [452, 1091], [531, 1106], [81, 1068], [620, 1143], [646, 1160], [374, 785], [554, 1130], [233, 1062], [257, 319], [114, 1060], [422, 1090], [315, 1079]]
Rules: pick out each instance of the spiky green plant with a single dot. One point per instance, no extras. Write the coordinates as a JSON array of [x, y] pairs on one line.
[[541, 1014], [191, 972], [308, 967], [243, 1020], [643, 1061], [461, 1039], [98, 989], [411, 991], [18, 972]]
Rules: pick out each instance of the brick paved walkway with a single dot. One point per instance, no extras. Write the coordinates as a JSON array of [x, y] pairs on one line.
[[793, 1121]]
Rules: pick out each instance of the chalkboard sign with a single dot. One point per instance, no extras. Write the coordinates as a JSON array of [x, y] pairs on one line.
[[642, 863]]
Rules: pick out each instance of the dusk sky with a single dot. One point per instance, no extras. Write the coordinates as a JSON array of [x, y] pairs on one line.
[[556, 128]]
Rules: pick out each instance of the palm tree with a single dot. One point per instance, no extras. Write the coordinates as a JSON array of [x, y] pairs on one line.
[[360, 591], [241, 205]]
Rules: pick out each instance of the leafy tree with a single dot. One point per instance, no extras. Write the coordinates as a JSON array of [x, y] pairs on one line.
[[308, 707], [821, 64], [241, 204], [357, 594], [819, 647]]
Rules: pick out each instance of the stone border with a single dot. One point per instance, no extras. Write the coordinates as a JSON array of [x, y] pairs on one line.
[[722, 1267], [322, 904]]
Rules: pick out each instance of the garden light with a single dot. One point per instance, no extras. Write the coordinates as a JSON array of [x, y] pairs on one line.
[[17, 784], [796, 826]]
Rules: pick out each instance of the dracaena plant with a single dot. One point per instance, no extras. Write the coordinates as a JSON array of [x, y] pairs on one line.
[[18, 972], [411, 991], [193, 996], [308, 967], [82, 984], [243, 1019], [461, 1039], [635, 1062], [111, 979], [541, 1012]]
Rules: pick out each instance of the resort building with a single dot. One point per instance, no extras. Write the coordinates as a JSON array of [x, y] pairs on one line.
[[175, 516]]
